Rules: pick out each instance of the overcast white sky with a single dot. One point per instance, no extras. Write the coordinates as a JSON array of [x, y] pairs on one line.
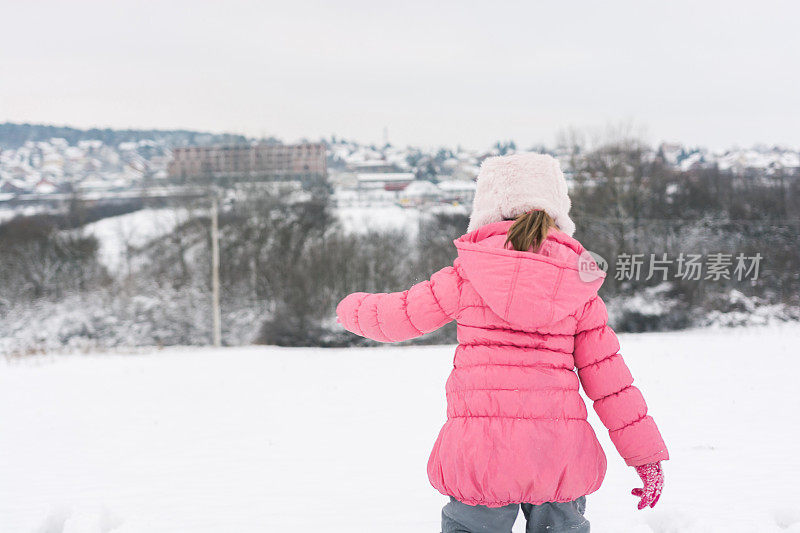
[[470, 73]]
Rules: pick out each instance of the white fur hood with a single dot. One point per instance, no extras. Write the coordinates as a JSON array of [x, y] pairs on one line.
[[511, 185]]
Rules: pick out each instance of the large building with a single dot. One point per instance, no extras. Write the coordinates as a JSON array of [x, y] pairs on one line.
[[257, 162]]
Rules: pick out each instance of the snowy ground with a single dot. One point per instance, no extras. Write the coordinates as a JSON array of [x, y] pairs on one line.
[[269, 439], [116, 234], [359, 219], [390, 216]]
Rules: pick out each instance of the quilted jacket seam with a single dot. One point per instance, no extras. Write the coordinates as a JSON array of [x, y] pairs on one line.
[[520, 417], [613, 393], [486, 389], [507, 345], [648, 458], [583, 314], [630, 423], [408, 317], [512, 330], [436, 299], [378, 320], [538, 365], [606, 358], [601, 326], [459, 285], [355, 317]]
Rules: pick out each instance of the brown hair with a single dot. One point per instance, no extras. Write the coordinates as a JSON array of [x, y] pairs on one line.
[[529, 230]]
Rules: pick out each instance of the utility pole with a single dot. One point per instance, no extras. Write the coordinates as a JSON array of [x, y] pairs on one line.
[[217, 320]]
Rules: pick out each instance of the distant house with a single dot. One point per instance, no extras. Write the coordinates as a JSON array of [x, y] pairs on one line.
[[93, 182], [457, 191], [45, 186], [376, 166], [12, 186], [389, 181], [419, 192]]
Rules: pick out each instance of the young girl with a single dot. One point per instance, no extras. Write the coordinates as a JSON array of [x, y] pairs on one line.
[[528, 316]]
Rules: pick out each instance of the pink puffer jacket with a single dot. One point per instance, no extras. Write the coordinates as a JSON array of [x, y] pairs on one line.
[[516, 427]]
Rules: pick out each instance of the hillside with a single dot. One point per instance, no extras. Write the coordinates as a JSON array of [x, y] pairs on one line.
[[15, 135]]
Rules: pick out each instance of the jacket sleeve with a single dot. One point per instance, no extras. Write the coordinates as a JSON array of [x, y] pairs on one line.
[[398, 316], [608, 382]]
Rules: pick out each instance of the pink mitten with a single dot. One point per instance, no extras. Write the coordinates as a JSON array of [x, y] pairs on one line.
[[653, 479]]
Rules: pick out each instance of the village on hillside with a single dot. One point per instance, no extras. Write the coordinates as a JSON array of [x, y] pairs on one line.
[[39, 175]]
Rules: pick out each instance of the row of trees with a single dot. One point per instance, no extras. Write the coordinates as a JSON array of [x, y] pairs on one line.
[[286, 261], [627, 200]]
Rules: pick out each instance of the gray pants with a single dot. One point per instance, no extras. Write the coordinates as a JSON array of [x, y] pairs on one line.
[[551, 517]]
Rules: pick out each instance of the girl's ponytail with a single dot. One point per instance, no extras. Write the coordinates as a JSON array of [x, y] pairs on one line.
[[529, 231]]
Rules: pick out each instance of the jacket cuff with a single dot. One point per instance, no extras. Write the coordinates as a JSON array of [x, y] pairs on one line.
[[661, 455]]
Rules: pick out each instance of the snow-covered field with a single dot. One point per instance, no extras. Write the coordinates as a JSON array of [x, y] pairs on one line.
[[116, 234], [390, 217], [270, 439]]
